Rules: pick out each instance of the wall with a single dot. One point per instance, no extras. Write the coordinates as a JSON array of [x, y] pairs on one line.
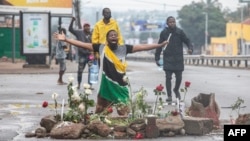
[[6, 42]]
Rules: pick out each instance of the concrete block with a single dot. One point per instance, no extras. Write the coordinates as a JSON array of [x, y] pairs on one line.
[[197, 125]]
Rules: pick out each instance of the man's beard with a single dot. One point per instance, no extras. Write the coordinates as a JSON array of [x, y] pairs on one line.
[[107, 17], [113, 46]]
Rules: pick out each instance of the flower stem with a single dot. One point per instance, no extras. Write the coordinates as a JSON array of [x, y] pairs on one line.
[[156, 101], [185, 93]]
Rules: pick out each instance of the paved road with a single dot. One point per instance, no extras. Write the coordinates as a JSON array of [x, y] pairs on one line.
[[23, 90]]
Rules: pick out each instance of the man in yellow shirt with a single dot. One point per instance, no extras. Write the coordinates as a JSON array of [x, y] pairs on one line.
[[103, 26]]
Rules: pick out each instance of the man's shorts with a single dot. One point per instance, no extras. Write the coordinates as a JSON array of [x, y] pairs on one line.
[[62, 64]]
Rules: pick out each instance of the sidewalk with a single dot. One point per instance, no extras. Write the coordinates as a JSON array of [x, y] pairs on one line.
[[8, 67]]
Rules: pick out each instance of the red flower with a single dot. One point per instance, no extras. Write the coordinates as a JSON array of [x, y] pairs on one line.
[[45, 104], [109, 110], [174, 113], [159, 88], [187, 84], [138, 136]]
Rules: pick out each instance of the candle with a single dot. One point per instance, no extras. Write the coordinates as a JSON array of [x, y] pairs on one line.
[[178, 105], [62, 110]]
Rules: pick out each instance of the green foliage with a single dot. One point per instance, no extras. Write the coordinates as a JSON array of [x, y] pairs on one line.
[[141, 105], [78, 105], [192, 21], [72, 115], [237, 105]]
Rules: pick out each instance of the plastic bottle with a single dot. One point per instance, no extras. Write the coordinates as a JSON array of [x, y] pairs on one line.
[[94, 72]]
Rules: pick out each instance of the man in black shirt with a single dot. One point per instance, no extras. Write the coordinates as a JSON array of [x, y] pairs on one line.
[[173, 55]]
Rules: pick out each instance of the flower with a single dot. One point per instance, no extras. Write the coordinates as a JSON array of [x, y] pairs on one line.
[[159, 88], [187, 85], [174, 113], [88, 92], [138, 136], [45, 104], [82, 107], [158, 92], [54, 96], [109, 110], [76, 97], [86, 86]]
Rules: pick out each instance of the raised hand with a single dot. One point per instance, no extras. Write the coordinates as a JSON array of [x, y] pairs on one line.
[[58, 36], [164, 43], [73, 19]]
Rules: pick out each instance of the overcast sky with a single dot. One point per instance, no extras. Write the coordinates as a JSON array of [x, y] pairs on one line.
[[168, 5]]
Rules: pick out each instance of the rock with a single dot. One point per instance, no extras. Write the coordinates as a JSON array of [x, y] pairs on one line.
[[41, 132], [138, 127], [243, 119], [170, 123], [103, 130], [120, 135], [30, 134], [204, 105], [120, 128], [48, 122], [99, 128], [67, 130], [131, 132], [198, 126]]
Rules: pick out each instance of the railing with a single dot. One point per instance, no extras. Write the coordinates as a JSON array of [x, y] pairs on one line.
[[240, 61]]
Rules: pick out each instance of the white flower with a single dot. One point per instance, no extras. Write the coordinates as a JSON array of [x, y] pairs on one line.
[[71, 78], [74, 88], [54, 96], [125, 78], [82, 107], [76, 97], [160, 107], [88, 92], [86, 86]]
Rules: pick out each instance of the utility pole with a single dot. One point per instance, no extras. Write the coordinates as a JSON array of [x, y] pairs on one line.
[[241, 39], [206, 30]]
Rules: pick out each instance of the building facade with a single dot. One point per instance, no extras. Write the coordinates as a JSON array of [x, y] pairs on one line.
[[236, 42]]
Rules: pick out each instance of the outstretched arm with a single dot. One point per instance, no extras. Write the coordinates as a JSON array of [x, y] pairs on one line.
[[74, 42], [142, 47]]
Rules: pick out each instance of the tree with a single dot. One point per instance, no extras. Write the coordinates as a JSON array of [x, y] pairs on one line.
[[192, 21]]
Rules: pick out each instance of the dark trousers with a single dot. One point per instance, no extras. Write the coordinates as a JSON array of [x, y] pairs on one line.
[[178, 79], [83, 60]]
